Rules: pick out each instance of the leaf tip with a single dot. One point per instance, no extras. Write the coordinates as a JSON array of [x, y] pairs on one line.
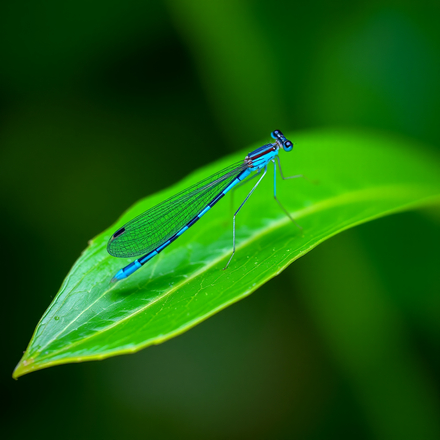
[[25, 366]]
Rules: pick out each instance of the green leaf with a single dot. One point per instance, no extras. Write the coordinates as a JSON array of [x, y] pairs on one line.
[[356, 177]]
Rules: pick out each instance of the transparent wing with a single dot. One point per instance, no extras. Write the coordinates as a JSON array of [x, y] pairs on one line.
[[153, 227]]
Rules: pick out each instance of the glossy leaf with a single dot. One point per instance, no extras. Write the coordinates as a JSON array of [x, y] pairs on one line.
[[353, 177]]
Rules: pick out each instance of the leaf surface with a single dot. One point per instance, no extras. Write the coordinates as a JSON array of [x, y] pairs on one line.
[[353, 177]]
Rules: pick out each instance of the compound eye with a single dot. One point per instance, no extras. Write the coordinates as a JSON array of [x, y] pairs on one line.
[[287, 146], [276, 134]]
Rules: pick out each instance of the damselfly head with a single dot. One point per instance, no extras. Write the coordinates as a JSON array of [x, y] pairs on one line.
[[281, 141]]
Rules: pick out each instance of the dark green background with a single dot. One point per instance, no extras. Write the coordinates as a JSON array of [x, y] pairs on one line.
[[102, 103]]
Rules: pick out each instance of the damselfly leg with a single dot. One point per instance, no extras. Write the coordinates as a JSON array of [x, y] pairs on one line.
[[238, 210], [275, 192], [288, 177], [240, 185]]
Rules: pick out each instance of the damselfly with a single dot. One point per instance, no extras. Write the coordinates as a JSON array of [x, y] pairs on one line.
[[152, 231]]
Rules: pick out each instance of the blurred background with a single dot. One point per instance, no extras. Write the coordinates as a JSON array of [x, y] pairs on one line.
[[95, 96]]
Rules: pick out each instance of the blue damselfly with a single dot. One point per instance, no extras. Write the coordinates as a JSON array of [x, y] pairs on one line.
[[152, 231]]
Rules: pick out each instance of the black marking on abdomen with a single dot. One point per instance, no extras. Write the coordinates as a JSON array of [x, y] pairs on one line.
[[173, 238], [216, 199], [191, 222]]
